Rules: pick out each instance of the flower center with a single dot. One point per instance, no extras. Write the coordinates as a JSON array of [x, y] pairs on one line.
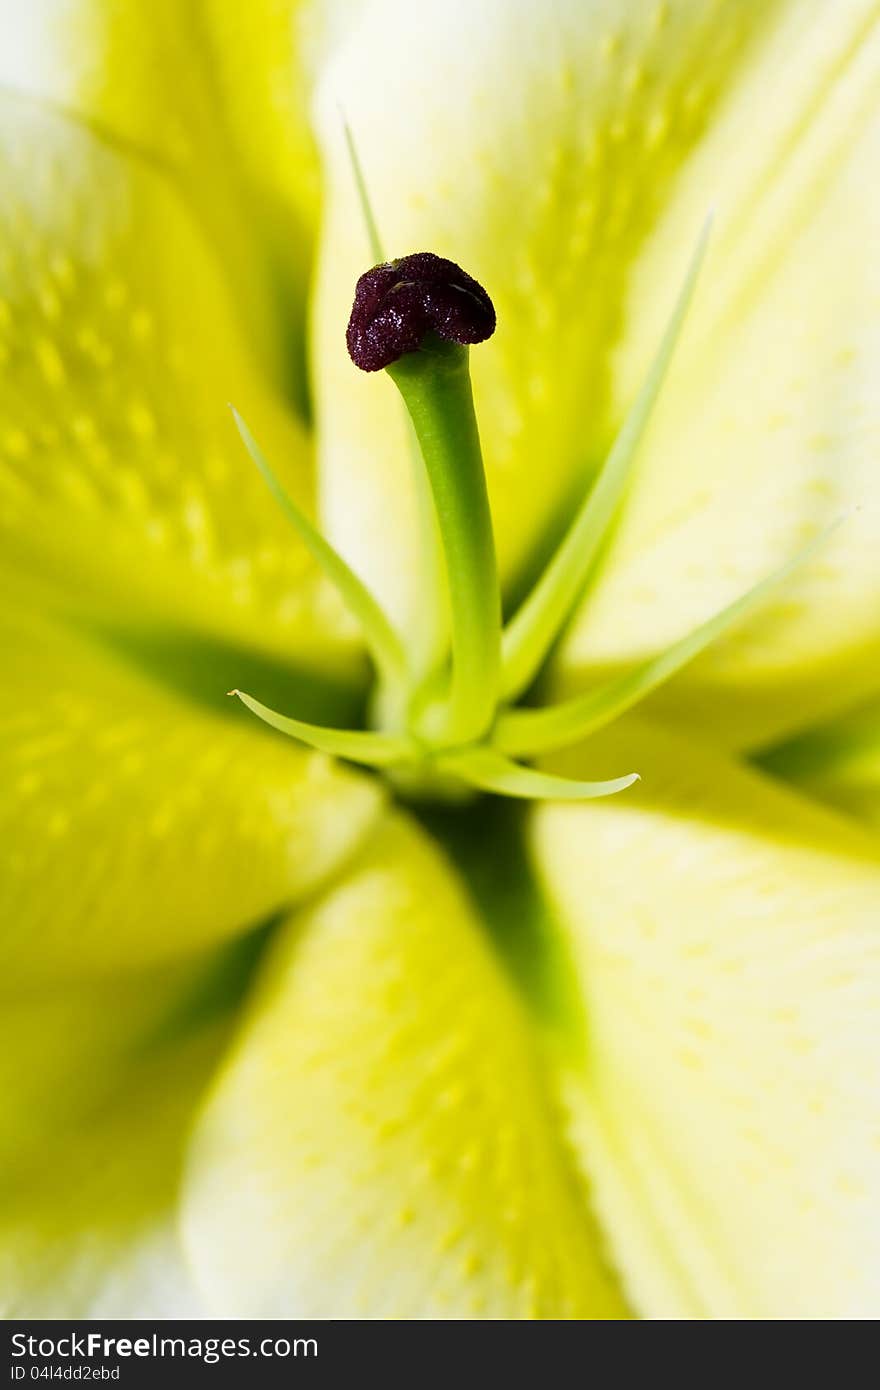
[[445, 715]]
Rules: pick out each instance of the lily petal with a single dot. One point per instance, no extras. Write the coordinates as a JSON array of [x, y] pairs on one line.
[[99, 1089], [124, 490], [724, 935], [138, 827], [770, 426], [218, 93], [535, 144], [380, 1143]]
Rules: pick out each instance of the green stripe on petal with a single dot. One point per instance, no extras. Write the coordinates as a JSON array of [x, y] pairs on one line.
[[380, 1143], [839, 763], [724, 935], [138, 828]]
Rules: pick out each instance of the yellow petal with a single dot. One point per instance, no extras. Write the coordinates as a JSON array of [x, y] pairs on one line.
[[99, 1087], [380, 1144], [124, 488], [263, 57], [534, 144], [218, 92], [769, 427], [138, 827], [724, 936]]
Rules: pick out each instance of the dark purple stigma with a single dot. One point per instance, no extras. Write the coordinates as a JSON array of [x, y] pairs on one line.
[[397, 304]]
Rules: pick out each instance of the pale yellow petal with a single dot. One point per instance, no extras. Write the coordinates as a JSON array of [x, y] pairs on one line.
[[723, 933], [380, 1143], [769, 427]]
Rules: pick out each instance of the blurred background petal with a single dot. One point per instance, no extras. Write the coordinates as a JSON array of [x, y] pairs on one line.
[[218, 93], [99, 1089], [125, 492], [139, 825]]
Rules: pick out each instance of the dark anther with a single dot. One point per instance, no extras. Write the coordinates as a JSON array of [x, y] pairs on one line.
[[397, 304]]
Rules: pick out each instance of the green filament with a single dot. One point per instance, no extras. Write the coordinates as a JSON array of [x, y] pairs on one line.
[[527, 732], [354, 745], [382, 641], [360, 182], [490, 771], [538, 622]]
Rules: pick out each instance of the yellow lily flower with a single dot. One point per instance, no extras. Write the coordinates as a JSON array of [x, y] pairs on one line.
[[284, 1037]]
